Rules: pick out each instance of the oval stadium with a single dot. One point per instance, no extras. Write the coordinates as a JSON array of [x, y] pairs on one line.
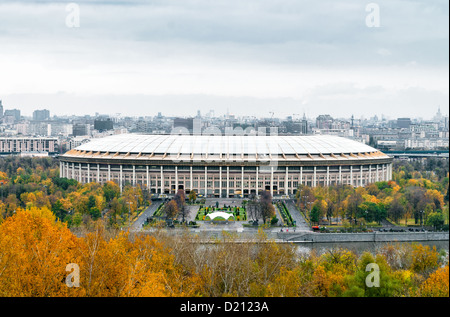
[[225, 166]]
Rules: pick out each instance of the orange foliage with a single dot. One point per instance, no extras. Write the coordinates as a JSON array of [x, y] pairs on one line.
[[436, 285], [35, 250]]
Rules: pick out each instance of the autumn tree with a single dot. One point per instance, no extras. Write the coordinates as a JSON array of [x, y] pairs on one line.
[[111, 190], [396, 210], [171, 209], [353, 201], [318, 210], [305, 197], [179, 199], [192, 196], [389, 285], [436, 285], [265, 205], [34, 252]]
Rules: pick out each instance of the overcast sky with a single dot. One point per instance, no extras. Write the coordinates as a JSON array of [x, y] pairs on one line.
[[247, 57]]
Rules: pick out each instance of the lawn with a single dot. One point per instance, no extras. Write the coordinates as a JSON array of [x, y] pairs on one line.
[[239, 212]]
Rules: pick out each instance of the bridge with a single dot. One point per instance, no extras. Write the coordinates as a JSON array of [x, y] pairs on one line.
[[418, 154]]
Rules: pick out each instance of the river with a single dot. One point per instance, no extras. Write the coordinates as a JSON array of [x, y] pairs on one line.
[[360, 247]]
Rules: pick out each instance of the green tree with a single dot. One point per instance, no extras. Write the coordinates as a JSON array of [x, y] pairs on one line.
[[396, 210], [110, 191], [435, 219], [314, 214], [95, 213], [373, 278]]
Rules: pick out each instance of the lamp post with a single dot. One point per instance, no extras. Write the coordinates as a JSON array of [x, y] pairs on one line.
[[129, 212], [367, 214], [421, 218]]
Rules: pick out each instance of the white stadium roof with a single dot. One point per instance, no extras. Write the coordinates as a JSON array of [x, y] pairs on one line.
[[232, 145], [218, 148]]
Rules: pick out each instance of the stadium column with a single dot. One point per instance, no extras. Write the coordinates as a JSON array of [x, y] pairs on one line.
[[286, 188], [314, 178], [109, 172], [328, 175], [228, 181], [61, 171], [370, 173], [190, 176], [120, 177], [351, 175], [340, 174], [73, 170], [220, 181], [257, 179], [98, 173], [242, 181], [390, 171], [206, 181], [88, 173], [67, 170], [271, 181], [384, 172], [79, 172], [162, 180], [377, 178], [361, 175], [148, 178], [134, 175], [301, 175], [176, 179]]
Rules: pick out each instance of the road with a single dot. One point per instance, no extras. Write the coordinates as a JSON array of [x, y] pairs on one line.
[[300, 222], [137, 225]]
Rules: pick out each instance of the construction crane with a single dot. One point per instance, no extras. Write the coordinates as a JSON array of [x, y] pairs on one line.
[[271, 117]]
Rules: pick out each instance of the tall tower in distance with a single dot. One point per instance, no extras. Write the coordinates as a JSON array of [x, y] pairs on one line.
[[1, 110]]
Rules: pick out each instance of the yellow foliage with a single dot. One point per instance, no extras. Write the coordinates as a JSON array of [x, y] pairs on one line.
[[35, 249], [290, 283], [424, 258], [413, 182], [34, 252], [436, 285], [371, 198], [4, 176]]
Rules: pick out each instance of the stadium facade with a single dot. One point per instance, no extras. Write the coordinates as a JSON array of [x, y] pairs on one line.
[[225, 166]]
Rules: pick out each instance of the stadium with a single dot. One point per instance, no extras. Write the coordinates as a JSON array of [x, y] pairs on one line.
[[225, 166]]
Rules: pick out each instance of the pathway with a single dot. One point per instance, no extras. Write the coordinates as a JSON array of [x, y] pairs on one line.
[[297, 216], [137, 225]]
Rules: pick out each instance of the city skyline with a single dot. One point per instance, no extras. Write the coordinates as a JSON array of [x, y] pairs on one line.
[[211, 113], [247, 58]]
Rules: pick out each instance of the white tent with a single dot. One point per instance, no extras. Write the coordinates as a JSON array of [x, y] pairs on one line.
[[221, 214]]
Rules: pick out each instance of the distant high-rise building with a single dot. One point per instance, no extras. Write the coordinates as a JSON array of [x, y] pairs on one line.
[[41, 115], [324, 121], [15, 113], [1, 110], [103, 125], [438, 117], [403, 123], [179, 124], [304, 126], [80, 129]]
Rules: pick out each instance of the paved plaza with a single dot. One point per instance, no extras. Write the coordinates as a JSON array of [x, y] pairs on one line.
[[232, 226]]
